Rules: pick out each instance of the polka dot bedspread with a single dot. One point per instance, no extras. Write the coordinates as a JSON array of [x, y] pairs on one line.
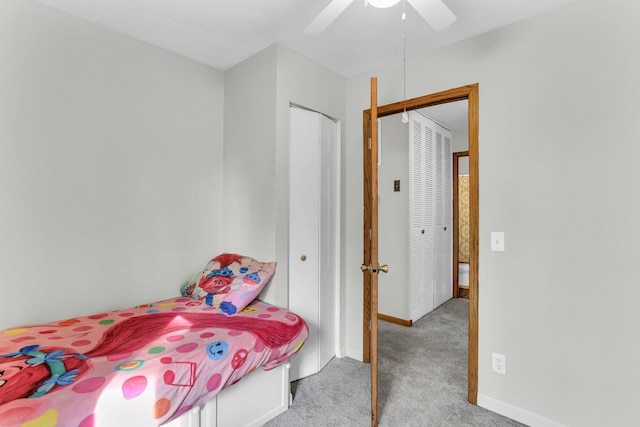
[[154, 361]]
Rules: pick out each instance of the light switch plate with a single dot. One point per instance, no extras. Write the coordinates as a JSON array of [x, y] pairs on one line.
[[497, 241]]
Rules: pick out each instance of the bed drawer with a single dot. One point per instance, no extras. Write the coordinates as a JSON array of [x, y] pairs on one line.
[[253, 401], [256, 399]]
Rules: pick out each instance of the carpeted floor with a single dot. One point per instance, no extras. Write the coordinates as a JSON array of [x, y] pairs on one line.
[[422, 380]]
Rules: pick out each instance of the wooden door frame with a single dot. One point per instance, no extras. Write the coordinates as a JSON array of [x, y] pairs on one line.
[[456, 219], [469, 93]]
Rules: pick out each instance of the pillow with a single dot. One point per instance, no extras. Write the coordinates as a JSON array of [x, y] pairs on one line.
[[229, 282]]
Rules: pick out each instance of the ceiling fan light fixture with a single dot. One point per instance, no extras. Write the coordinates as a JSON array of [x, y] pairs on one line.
[[435, 12], [381, 4]]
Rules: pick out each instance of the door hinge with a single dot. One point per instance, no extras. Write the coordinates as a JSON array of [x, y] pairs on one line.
[[369, 143], [369, 325], [370, 234]]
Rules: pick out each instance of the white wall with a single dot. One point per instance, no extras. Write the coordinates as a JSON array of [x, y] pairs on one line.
[[463, 165], [248, 162], [393, 211], [108, 179], [304, 83], [256, 154], [460, 140], [558, 104]]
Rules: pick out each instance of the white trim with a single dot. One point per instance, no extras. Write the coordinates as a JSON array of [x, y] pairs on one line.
[[337, 249], [515, 413], [354, 354], [302, 107]]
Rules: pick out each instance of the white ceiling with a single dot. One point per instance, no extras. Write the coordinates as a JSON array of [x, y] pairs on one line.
[[222, 33], [452, 115]]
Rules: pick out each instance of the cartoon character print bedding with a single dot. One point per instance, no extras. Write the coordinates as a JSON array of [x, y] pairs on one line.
[[159, 359], [229, 282]]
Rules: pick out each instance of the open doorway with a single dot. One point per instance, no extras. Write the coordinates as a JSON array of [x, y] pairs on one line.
[[461, 224], [416, 209], [469, 93]]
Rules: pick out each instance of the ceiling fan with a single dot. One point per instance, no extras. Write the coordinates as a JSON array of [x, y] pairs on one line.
[[435, 12]]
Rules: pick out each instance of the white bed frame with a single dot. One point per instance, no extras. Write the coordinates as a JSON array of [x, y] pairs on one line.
[[251, 402]]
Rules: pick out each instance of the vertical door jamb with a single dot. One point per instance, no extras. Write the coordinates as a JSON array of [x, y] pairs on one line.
[[456, 219]]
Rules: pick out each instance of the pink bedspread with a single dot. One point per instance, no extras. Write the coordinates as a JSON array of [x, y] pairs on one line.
[[162, 359]]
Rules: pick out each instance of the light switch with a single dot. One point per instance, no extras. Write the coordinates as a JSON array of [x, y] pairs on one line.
[[396, 185], [497, 241]]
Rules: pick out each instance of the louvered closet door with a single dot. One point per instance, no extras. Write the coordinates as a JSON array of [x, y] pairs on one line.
[[443, 233], [422, 218], [431, 215]]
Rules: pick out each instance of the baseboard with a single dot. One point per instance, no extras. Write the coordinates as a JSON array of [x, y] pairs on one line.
[[354, 354], [515, 413], [396, 320]]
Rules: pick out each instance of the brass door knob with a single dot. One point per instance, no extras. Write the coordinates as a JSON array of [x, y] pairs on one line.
[[383, 268], [364, 268], [303, 257]]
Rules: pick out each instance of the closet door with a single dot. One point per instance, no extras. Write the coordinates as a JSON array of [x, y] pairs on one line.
[[443, 232], [431, 215], [422, 217], [329, 242], [313, 241], [304, 220]]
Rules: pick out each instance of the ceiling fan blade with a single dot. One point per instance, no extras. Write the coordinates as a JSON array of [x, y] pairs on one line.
[[326, 17], [435, 12]]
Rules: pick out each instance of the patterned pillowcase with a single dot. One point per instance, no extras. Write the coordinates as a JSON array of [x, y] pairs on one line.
[[229, 282]]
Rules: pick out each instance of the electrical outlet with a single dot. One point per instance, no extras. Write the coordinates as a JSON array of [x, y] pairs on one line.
[[499, 363]]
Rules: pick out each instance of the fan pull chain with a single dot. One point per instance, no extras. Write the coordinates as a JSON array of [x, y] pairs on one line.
[[405, 116]]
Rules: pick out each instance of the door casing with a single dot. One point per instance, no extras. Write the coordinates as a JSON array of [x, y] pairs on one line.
[[456, 219], [470, 93]]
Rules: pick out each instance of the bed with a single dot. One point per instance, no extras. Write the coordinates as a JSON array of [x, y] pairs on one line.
[[156, 363]]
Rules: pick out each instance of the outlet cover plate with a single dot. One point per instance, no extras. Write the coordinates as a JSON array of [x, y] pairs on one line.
[[497, 241], [499, 363]]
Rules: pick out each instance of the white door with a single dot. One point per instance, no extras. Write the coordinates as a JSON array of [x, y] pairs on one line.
[[313, 236], [443, 240], [420, 187], [329, 239], [431, 215]]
